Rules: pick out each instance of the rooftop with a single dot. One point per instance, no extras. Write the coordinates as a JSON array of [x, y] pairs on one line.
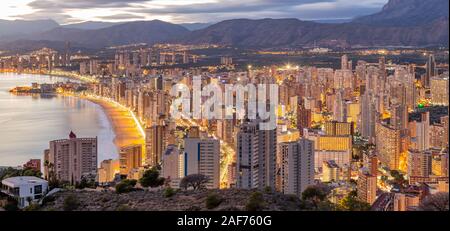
[[21, 180]]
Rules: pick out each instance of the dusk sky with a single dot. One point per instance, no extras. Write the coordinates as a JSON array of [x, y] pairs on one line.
[[184, 11]]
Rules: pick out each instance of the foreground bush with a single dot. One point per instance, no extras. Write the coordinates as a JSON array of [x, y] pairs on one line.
[[212, 201]]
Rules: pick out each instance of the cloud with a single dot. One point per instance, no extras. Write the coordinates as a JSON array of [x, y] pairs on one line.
[[178, 11], [121, 17]]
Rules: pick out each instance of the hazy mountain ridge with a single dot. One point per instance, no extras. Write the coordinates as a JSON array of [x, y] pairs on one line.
[[399, 23], [22, 27], [132, 32]]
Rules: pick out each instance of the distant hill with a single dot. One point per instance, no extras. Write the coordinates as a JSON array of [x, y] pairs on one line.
[[408, 13], [132, 32], [21, 27], [195, 26], [400, 23], [90, 25]]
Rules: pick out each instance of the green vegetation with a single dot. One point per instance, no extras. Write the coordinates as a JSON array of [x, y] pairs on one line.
[[168, 192], [11, 205], [255, 202], [399, 178], [71, 203], [351, 203], [213, 200], [125, 186], [151, 178], [12, 172]]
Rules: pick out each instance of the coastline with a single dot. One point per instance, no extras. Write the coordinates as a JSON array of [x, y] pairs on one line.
[[126, 128]]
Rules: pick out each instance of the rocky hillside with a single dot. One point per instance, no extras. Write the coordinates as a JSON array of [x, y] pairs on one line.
[[232, 199], [408, 13]]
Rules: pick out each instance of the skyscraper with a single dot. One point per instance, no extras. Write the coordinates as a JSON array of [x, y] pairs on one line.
[[367, 187], [297, 166], [155, 143], [256, 156], [388, 145], [419, 163], [431, 70], [439, 90], [202, 156], [73, 158], [130, 159]]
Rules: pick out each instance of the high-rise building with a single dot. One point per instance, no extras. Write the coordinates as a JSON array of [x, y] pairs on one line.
[[431, 70], [297, 166], [73, 158], [439, 90], [155, 144], [367, 187], [388, 146], [256, 156], [130, 159], [419, 163], [202, 156], [423, 132], [334, 128], [336, 148], [304, 118], [368, 117], [173, 165], [399, 117], [108, 170]]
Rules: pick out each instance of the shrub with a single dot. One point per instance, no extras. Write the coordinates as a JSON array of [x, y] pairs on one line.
[[70, 203], [125, 186], [11, 205], [169, 192], [151, 178], [32, 207], [48, 199], [213, 200], [255, 202]]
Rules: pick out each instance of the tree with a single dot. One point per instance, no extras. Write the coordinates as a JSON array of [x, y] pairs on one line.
[[151, 178], [399, 179], [255, 202], [315, 194], [196, 181], [351, 203], [125, 186], [12, 172], [87, 181], [435, 202]]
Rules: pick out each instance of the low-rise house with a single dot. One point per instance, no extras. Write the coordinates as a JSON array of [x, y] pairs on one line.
[[25, 189]]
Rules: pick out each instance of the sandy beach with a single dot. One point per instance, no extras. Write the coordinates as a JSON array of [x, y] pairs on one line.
[[125, 128]]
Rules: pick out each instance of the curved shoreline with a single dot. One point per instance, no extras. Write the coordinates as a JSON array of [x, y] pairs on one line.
[[126, 129]]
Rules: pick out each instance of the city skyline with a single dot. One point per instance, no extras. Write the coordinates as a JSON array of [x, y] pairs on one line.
[[242, 115]]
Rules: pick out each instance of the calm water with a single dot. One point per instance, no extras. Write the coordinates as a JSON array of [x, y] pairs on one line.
[[28, 123]]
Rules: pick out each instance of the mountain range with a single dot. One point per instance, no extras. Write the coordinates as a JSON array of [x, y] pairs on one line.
[[399, 23]]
